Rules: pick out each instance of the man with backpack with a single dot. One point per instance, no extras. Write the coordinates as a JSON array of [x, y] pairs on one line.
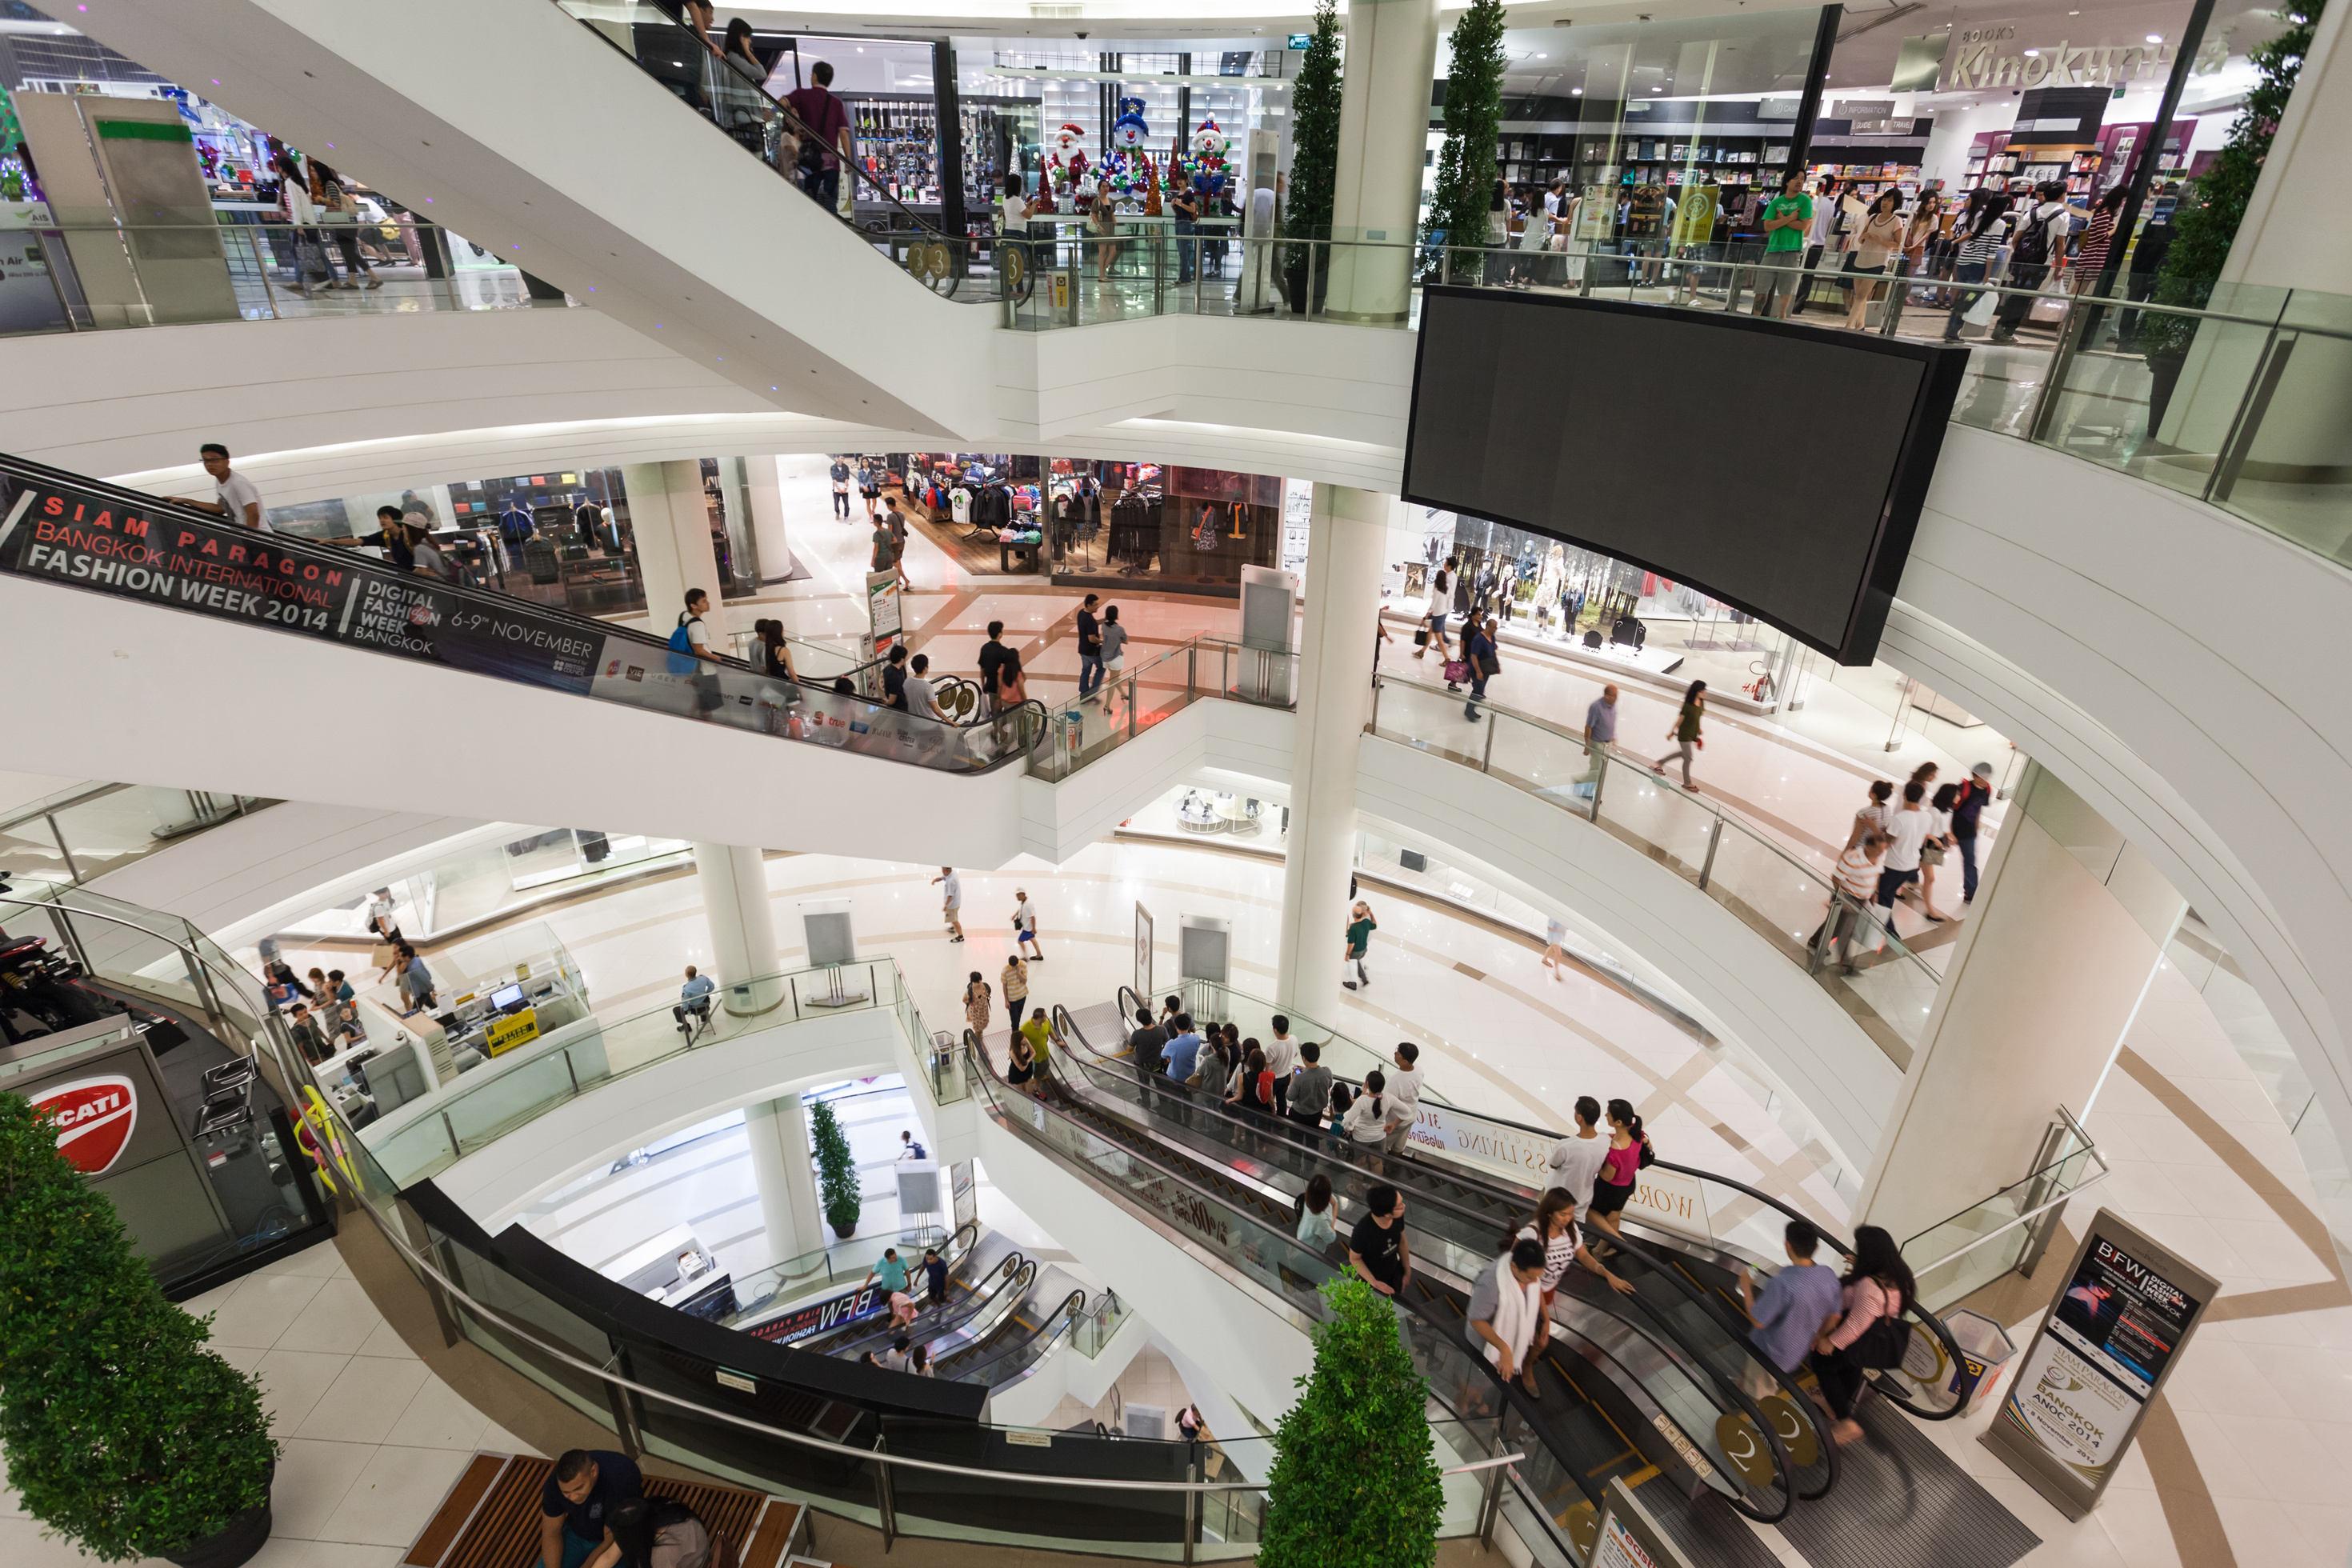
[[828, 118], [690, 652], [2041, 238]]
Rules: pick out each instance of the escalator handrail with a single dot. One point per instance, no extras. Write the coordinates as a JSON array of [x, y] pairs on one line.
[[1673, 1281], [1063, 1321], [1665, 1330], [341, 558], [1021, 1283], [1286, 1131], [784, 112]]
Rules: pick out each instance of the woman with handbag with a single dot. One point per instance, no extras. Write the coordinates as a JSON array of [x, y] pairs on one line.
[[1877, 239], [342, 211], [978, 1004], [1869, 1336], [1685, 734], [1479, 662], [1939, 840]]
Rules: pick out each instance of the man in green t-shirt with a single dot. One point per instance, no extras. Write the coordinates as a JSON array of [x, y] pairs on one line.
[[1786, 218], [891, 1273], [1361, 926]]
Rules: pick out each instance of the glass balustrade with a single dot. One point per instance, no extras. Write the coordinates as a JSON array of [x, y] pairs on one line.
[[1773, 886]]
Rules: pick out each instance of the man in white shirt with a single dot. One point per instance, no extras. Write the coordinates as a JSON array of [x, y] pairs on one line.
[[1024, 927], [1906, 836], [1403, 1097], [1576, 1159], [238, 501], [950, 887], [921, 699], [1281, 1060]]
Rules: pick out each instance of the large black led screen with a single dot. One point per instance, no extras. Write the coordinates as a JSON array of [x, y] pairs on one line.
[[1779, 468]]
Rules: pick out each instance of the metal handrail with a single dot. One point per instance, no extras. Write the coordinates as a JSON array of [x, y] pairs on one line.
[[2089, 1148], [605, 1375], [1689, 1358]]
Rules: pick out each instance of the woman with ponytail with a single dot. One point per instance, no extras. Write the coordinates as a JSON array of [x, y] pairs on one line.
[[1367, 1121], [1621, 1168]]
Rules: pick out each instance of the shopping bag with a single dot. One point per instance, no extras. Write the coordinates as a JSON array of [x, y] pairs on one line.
[[1458, 669], [383, 955], [1979, 313]]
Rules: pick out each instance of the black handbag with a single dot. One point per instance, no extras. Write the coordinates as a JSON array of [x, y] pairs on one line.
[[1882, 1345]]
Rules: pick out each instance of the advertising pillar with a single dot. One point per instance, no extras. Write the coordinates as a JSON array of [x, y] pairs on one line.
[[1347, 539], [2123, 1312]]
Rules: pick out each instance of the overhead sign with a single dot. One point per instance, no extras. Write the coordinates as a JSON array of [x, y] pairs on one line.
[[821, 1317], [1300, 40], [164, 555], [95, 1118], [2123, 1313], [517, 1028]]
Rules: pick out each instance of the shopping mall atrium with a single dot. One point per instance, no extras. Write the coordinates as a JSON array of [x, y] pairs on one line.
[[1405, 783]]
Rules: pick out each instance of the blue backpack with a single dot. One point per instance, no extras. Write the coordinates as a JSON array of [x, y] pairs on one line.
[[681, 646]]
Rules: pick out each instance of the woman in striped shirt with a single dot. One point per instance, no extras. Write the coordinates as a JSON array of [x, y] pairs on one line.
[[2098, 237], [1979, 232]]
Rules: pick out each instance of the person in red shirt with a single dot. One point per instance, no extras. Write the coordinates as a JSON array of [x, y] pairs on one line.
[[829, 118]]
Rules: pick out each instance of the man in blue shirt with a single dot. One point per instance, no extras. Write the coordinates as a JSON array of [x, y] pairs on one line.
[[693, 997], [579, 1498], [1184, 1050], [1795, 1303]]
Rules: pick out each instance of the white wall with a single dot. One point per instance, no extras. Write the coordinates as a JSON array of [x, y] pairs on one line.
[[2172, 665]]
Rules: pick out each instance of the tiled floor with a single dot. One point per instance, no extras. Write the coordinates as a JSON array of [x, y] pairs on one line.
[[371, 1439]]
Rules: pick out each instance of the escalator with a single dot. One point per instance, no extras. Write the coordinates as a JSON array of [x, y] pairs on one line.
[[636, 177], [260, 591], [1621, 1394], [1690, 1361], [1017, 1338], [990, 1267], [1695, 1278]]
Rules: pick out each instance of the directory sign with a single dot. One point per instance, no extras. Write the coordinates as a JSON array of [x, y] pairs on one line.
[[1628, 1536], [2123, 1313]]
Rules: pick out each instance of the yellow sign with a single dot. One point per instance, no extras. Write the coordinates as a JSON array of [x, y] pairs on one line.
[[513, 1030]]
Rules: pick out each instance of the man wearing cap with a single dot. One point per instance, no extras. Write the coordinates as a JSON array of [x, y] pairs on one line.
[[1966, 809]]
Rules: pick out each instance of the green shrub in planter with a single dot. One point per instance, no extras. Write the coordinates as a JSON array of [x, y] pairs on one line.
[[122, 1431], [1355, 1482], [836, 1172]]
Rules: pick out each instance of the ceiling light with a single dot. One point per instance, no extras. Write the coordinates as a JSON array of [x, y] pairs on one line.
[[2156, 37], [2030, 54]]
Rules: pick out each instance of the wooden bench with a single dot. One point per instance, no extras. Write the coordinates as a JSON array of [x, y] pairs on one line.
[[490, 1519]]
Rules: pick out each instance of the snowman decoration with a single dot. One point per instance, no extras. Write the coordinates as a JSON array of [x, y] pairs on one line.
[[1066, 168], [1127, 173], [1209, 157]]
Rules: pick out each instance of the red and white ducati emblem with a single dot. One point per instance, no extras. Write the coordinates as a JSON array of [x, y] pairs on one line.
[[94, 1121]]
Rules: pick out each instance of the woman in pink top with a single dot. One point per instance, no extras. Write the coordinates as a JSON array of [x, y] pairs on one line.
[[1621, 1169], [1865, 1336]]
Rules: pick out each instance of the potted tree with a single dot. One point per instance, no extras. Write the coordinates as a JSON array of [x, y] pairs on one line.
[[1466, 169], [836, 1172], [1314, 157], [2213, 205], [1355, 1482], [123, 1433]]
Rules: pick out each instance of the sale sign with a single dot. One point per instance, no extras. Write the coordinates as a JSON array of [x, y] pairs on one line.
[[95, 1117]]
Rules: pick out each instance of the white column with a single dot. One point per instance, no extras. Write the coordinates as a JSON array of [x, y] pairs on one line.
[[671, 523], [734, 880], [2065, 933], [777, 1131], [1345, 547], [1391, 61], [764, 477]]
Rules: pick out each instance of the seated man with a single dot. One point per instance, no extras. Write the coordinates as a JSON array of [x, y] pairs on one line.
[[578, 1499], [693, 997]]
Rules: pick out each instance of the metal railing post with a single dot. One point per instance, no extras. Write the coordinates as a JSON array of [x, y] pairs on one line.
[[1309, 302], [1898, 285], [450, 1128], [2248, 422], [1192, 672], [886, 1503], [1192, 1501], [1372, 725], [1487, 758], [1706, 869], [2062, 359], [1600, 776]]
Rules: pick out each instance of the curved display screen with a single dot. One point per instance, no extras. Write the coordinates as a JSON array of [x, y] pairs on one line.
[[1778, 468]]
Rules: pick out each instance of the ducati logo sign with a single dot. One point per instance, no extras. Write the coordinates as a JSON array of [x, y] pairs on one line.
[[95, 1118]]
